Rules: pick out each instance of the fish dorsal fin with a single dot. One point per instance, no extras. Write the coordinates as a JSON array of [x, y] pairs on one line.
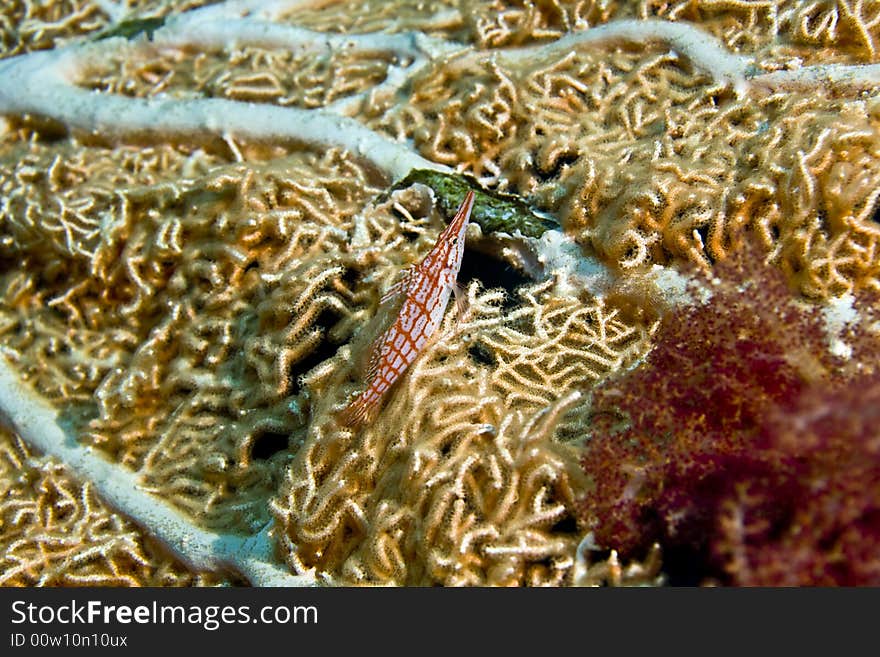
[[375, 360], [386, 304], [398, 288]]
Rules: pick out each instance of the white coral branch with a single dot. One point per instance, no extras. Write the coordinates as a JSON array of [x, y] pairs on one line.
[[704, 50], [707, 53], [845, 77], [43, 83]]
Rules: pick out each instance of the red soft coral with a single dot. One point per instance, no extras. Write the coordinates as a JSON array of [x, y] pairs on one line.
[[825, 499], [743, 440]]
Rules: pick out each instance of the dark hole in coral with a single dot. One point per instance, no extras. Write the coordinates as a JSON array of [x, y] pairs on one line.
[[565, 160], [546, 562], [779, 515], [253, 264], [598, 556], [410, 236], [566, 525], [41, 129], [570, 435], [61, 348], [268, 443], [875, 216], [703, 232], [685, 566], [167, 267], [350, 276], [326, 320], [481, 354], [822, 222], [492, 273], [181, 206]]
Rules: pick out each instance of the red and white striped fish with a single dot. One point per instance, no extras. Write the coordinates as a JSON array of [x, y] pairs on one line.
[[427, 287]]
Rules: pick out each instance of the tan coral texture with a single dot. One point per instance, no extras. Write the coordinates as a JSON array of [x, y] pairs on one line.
[[54, 531], [648, 160], [198, 304]]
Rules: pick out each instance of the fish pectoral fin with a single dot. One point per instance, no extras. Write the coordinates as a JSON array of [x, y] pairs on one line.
[[462, 305]]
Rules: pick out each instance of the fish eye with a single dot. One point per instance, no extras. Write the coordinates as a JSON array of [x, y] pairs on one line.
[[454, 240]]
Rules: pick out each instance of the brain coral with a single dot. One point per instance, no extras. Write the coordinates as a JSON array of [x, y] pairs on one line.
[[201, 207]]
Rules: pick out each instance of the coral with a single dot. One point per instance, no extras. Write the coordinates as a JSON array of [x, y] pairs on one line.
[[171, 377], [650, 160], [27, 25], [473, 487], [364, 16], [201, 206], [55, 532], [817, 521], [744, 439], [589, 570], [250, 73], [38, 424]]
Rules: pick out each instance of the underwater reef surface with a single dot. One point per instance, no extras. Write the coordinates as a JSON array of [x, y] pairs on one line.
[[667, 367]]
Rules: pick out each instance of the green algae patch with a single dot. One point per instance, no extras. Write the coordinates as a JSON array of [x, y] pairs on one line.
[[132, 28], [493, 211]]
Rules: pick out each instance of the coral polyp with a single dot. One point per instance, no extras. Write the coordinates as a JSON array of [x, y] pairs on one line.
[[202, 206]]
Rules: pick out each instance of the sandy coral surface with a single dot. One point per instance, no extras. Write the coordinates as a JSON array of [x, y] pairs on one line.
[[202, 205]]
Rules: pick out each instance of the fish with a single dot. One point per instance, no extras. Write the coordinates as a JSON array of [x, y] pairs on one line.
[[426, 288]]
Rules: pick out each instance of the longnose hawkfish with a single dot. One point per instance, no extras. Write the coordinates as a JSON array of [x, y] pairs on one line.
[[426, 287]]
